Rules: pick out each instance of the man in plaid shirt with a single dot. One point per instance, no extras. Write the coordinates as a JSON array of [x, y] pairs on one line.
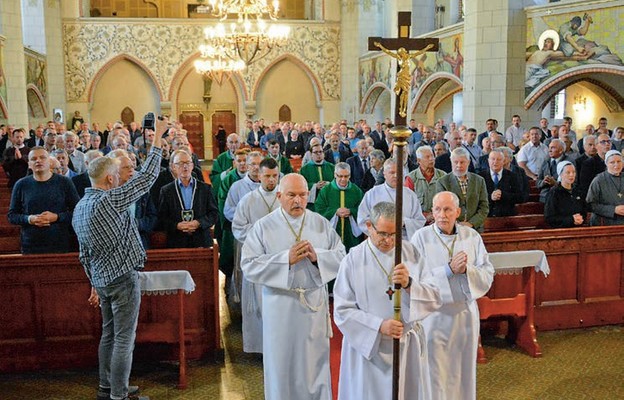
[[111, 253]]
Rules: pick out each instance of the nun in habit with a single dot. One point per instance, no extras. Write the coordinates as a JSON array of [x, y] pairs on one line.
[[606, 193]]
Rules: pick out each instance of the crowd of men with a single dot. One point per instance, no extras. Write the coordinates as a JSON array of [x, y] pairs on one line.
[[284, 236]]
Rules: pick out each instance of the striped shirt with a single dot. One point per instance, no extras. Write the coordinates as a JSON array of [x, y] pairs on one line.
[[110, 244]]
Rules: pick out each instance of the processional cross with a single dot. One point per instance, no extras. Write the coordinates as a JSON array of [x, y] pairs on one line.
[[401, 46]]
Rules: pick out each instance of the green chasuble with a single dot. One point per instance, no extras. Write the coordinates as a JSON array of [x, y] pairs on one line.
[[223, 163], [283, 164], [330, 200], [226, 247], [314, 173]]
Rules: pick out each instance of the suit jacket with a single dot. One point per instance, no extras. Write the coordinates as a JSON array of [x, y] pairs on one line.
[[591, 167], [34, 141], [357, 170], [251, 139], [511, 193], [548, 169], [146, 216], [81, 182], [383, 146], [15, 168], [443, 162], [170, 213], [474, 205], [344, 155]]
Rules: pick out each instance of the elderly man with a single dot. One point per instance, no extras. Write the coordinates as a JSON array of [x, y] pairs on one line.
[[548, 173], [187, 208], [223, 163], [457, 257], [76, 157], [589, 150], [42, 204], [606, 193], [470, 189], [294, 272], [252, 208], [486, 147], [363, 311], [338, 202], [318, 173], [595, 164], [503, 187], [103, 216], [533, 154], [359, 163], [423, 180], [63, 159], [37, 139], [413, 218], [443, 161]]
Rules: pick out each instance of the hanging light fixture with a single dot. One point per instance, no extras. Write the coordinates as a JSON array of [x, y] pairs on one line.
[[251, 37], [215, 66]]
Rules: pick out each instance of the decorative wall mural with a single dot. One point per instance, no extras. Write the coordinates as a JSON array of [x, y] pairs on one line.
[[448, 58], [164, 46], [376, 69], [559, 42], [36, 73]]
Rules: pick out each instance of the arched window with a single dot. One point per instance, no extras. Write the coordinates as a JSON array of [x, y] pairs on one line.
[[284, 113]]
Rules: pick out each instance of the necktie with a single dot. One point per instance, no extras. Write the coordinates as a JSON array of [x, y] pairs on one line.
[[553, 167], [365, 164], [496, 179]]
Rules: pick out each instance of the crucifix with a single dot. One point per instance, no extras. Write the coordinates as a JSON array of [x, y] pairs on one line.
[[402, 47]]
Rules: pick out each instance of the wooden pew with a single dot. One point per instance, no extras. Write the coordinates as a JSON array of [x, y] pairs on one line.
[[586, 282], [531, 207], [515, 223], [47, 323]]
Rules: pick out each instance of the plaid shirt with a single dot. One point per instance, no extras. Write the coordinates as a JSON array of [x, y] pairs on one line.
[[110, 244]]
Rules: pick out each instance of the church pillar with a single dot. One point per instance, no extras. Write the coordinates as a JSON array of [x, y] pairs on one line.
[[56, 67], [14, 63], [494, 62]]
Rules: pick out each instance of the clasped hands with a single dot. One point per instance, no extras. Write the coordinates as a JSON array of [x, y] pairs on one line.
[[391, 327], [188, 226], [459, 263], [301, 250], [343, 212], [44, 219]]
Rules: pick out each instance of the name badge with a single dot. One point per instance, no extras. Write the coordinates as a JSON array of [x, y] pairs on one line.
[[187, 215]]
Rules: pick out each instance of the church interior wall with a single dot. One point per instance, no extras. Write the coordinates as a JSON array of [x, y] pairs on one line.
[[298, 94], [33, 26], [593, 110], [123, 85]]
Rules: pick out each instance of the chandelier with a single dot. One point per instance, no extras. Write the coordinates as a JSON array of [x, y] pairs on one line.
[[215, 66], [249, 38]]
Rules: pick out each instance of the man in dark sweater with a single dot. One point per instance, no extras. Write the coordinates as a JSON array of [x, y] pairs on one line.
[[43, 204]]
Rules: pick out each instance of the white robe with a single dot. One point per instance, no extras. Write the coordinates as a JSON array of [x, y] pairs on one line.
[[295, 309], [413, 218], [360, 307], [250, 209], [453, 331], [238, 190]]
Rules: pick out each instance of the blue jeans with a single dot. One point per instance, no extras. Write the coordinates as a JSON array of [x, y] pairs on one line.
[[120, 302]]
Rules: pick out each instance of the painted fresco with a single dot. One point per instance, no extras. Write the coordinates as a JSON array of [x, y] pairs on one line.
[[36, 71], [377, 69], [556, 43], [448, 58]]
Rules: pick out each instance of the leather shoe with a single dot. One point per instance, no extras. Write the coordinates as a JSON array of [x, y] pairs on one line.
[[104, 393]]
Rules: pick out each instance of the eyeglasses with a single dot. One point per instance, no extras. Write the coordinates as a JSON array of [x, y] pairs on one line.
[[342, 176], [605, 142], [384, 235], [183, 164]]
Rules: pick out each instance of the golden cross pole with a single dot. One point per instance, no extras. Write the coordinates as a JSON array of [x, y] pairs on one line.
[[402, 46]]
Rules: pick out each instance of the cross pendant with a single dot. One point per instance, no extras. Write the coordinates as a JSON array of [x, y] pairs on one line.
[[390, 292], [620, 195]]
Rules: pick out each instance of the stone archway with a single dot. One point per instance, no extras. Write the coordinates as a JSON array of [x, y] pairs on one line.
[[372, 97], [434, 90]]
